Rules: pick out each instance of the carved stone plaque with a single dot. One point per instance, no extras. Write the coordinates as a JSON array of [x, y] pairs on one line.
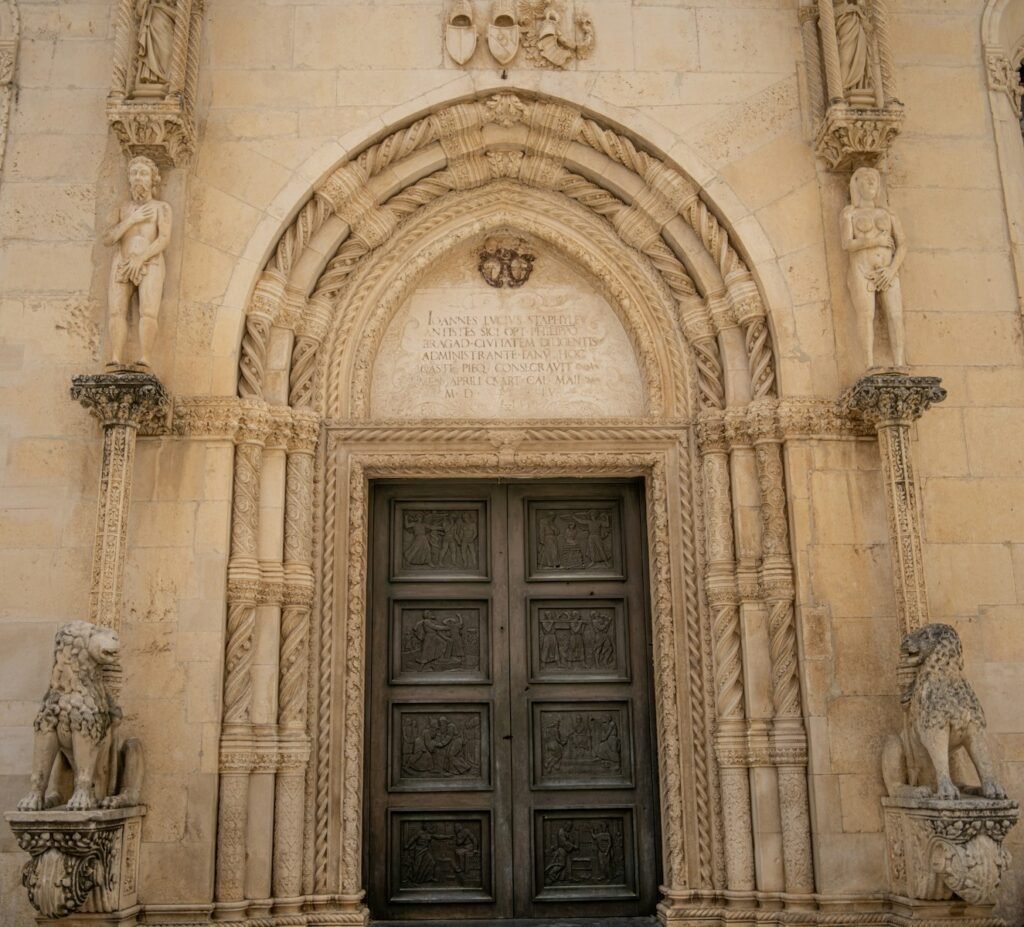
[[578, 640], [440, 857], [436, 746], [584, 855], [439, 541], [461, 348], [577, 539], [439, 642], [582, 745]]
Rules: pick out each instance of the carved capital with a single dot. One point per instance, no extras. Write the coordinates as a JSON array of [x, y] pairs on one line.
[[892, 398], [254, 422], [206, 417], [852, 137], [305, 431], [133, 399], [505, 110], [712, 435], [160, 130]]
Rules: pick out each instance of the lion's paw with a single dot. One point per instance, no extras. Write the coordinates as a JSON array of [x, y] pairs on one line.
[[31, 802], [82, 800], [947, 791], [992, 789]]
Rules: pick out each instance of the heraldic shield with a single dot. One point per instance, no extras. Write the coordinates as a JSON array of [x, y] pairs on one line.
[[503, 31], [460, 32]]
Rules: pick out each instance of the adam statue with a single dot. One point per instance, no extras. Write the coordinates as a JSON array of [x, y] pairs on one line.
[[873, 237], [141, 236]]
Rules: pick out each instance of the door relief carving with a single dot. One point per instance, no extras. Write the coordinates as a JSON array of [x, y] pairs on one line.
[[440, 746], [571, 540], [579, 746], [440, 542], [585, 853], [440, 857], [439, 642], [578, 639]]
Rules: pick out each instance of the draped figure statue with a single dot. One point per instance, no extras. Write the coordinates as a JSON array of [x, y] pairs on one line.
[[852, 37], [155, 39]]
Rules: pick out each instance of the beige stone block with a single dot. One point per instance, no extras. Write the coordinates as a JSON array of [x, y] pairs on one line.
[[374, 90], [272, 89], [857, 727], [944, 101], [994, 443], [995, 386], [410, 41], [33, 267], [963, 577], [29, 528], [27, 675], [940, 442], [860, 797], [958, 281], [16, 749], [980, 223], [172, 871], [14, 905], [80, 64], [240, 170], [664, 38], [850, 863], [328, 121], [162, 524], [935, 37], [239, 34], [68, 159], [170, 744], [82, 19], [816, 686], [786, 160], [203, 690], [951, 508], [943, 163], [826, 807], [254, 124], [51, 111], [747, 41], [166, 802], [999, 687], [865, 653], [218, 219], [966, 338], [848, 508], [1002, 630], [616, 38], [30, 595]]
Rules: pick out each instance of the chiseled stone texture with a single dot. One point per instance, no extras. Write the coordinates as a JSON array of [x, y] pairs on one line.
[[286, 88]]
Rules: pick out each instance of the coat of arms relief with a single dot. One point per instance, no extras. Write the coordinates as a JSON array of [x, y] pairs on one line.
[[518, 33]]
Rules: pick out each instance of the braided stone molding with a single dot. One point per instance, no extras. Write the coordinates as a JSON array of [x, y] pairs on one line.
[[549, 136], [154, 114]]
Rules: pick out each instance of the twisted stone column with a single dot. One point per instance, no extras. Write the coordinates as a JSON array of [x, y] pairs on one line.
[[123, 402], [892, 402], [830, 51], [236, 748], [723, 599]]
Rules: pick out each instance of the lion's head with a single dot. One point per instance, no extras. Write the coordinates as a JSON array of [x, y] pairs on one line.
[[934, 646], [77, 698]]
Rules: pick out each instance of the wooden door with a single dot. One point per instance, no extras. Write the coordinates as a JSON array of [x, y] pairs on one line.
[[510, 769]]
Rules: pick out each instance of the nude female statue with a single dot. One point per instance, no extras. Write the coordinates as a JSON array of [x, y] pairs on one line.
[[873, 237]]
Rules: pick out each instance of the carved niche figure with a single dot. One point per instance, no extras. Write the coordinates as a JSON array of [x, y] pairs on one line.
[[873, 237], [854, 54], [76, 729], [141, 234], [155, 40], [941, 713]]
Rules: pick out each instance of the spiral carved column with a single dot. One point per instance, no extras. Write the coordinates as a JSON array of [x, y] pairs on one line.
[[788, 741], [289, 803], [723, 599], [236, 747]]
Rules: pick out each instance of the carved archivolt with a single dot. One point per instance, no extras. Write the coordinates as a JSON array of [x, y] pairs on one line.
[[649, 205]]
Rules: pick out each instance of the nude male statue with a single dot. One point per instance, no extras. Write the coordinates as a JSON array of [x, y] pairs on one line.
[[141, 235], [873, 237]]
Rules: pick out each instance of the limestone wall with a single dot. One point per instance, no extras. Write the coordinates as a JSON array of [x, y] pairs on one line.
[[285, 90]]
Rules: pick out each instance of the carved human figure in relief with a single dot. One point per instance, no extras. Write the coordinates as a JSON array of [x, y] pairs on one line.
[[852, 38], [140, 235], [155, 39], [873, 237]]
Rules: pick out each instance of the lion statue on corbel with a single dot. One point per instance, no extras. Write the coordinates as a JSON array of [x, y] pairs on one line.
[[941, 714], [78, 756]]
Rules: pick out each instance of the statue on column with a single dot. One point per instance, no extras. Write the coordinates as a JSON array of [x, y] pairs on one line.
[[141, 235], [852, 38], [155, 39], [873, 237]]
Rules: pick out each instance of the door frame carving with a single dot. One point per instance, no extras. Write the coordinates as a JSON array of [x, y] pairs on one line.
[[663, 455]]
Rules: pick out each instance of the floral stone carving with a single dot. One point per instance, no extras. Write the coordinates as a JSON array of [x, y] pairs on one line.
[[944, 839], [80, 823]]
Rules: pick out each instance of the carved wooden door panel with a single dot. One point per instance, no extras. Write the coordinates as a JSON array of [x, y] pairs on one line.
[[510, 768]]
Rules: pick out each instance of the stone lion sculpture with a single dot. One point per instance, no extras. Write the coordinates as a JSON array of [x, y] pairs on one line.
[[941, 714], [76, 740]]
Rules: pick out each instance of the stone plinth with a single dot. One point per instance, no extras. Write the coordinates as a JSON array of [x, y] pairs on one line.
[[84, 864], [939, 850]]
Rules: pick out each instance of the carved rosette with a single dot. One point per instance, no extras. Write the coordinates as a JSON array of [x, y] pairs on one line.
[[892, 402], [938, 850], [80, 861]]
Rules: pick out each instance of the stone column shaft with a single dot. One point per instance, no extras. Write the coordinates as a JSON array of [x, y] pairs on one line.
[[812, 56], [123, 402], [830, 51], [892, 402]]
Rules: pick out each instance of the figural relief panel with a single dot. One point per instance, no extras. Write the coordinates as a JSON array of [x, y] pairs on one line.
[[440, 857], [581, 745], [584, 854], [439, 642], [442, 541], [578, 640], [436, 747], [574, 539], [463, 347]]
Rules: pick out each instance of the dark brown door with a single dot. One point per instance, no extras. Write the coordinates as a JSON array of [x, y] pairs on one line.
[[510, 763]]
